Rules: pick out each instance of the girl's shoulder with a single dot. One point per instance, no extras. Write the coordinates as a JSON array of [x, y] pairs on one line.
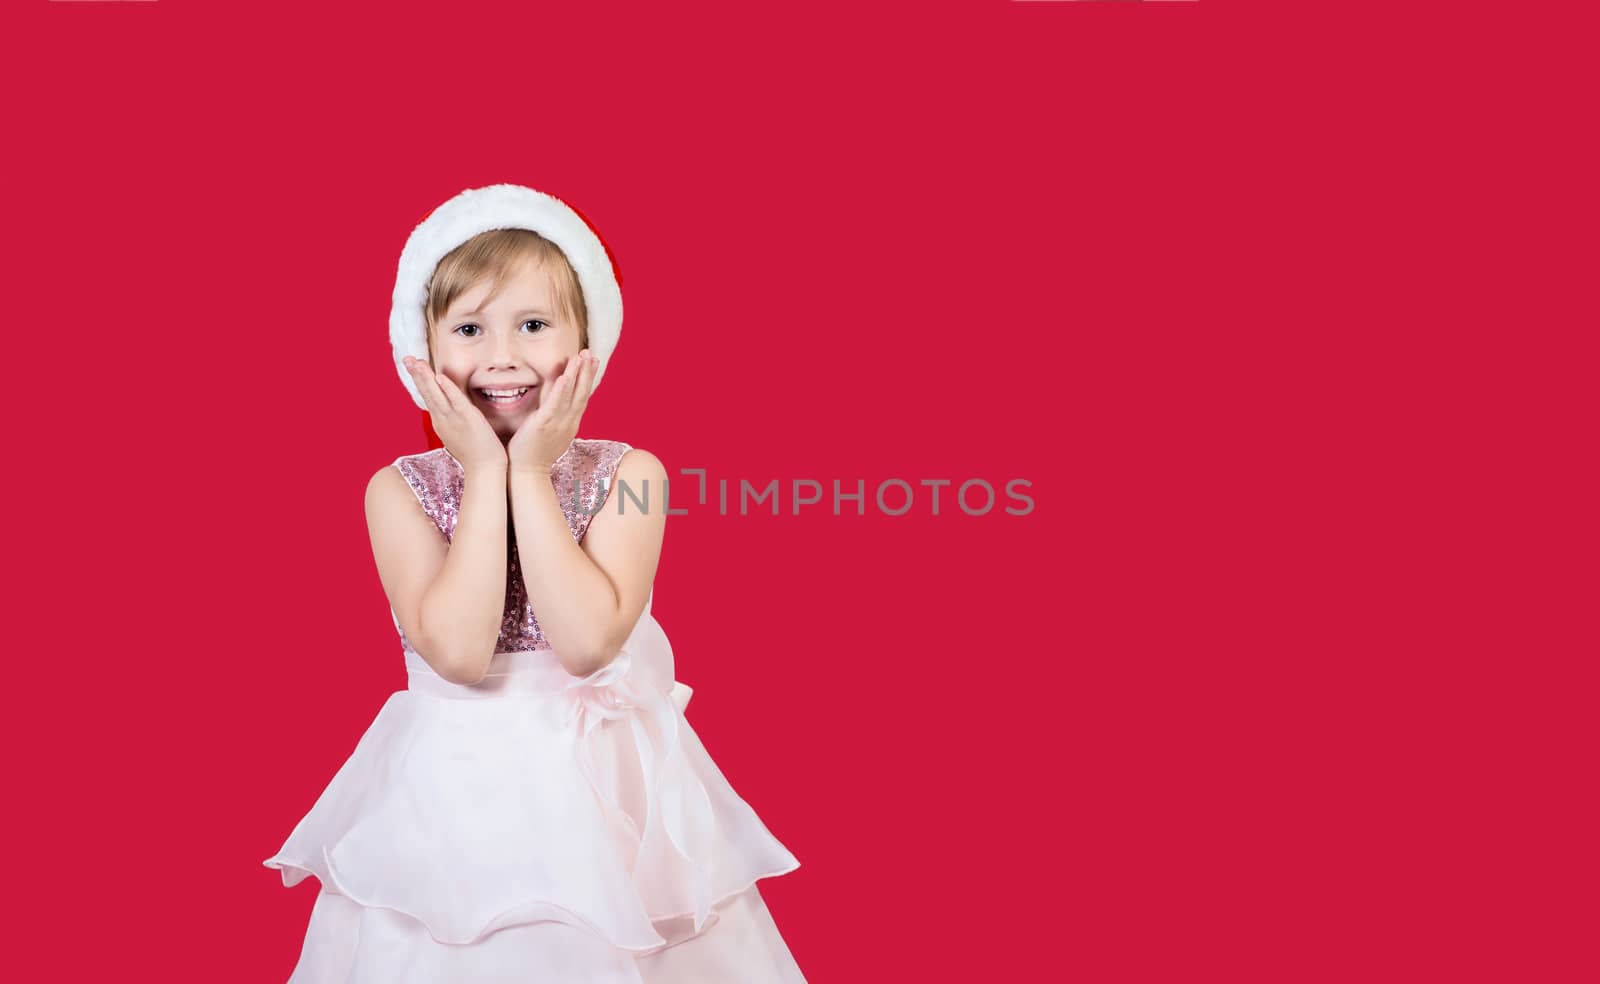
[[600, 465], [589, 463], [436, 479], [593, 451], [434, 469], [436, 458]]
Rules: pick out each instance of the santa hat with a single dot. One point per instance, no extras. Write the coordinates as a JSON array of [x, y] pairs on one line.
[[502, 206]]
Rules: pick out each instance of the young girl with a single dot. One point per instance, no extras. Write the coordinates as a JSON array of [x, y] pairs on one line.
[[534, 807]]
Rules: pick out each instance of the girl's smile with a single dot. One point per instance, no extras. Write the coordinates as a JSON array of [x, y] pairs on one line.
[[515, 398]]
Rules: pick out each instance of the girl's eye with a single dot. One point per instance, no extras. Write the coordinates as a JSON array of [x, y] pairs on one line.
[[461, 329]]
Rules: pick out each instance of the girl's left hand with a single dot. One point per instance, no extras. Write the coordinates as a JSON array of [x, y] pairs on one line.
[[550, 429]]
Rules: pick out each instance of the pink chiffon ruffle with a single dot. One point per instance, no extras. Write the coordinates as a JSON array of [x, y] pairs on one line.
[[539, 825]]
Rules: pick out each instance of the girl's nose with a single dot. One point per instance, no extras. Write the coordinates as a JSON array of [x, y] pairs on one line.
[[503, 353]]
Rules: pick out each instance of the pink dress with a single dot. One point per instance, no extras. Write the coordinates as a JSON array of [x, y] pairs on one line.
[[537, 826]]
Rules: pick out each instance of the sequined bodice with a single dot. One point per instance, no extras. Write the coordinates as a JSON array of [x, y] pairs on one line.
[[582, 478]]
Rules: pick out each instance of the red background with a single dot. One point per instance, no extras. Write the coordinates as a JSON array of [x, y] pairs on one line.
[[1271, 306]]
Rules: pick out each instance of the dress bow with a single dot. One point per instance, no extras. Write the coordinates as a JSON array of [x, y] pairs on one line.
[[675, 798]]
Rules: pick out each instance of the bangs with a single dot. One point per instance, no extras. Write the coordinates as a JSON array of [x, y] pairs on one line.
[[493, 256]]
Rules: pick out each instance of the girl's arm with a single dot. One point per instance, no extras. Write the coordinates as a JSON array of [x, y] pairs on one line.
[[448, 598], [587, 597]]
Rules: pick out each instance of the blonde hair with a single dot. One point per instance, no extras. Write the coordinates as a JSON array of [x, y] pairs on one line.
[[493, 256]]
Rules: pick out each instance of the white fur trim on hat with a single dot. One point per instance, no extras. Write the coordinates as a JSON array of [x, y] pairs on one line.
[[501, 206]]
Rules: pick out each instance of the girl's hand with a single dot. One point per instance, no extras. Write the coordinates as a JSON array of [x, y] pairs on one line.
[[465, 431], [549, 430]]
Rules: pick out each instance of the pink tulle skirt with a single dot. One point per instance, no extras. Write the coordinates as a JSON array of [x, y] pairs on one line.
[[538, 827]]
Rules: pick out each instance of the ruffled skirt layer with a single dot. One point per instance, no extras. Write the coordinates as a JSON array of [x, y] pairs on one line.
[[348, 943], [538, 827]]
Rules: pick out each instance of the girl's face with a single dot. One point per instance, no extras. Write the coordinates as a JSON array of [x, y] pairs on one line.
[[518, 339]]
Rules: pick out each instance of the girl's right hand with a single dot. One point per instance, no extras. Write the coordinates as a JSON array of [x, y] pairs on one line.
[[463, 428]]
